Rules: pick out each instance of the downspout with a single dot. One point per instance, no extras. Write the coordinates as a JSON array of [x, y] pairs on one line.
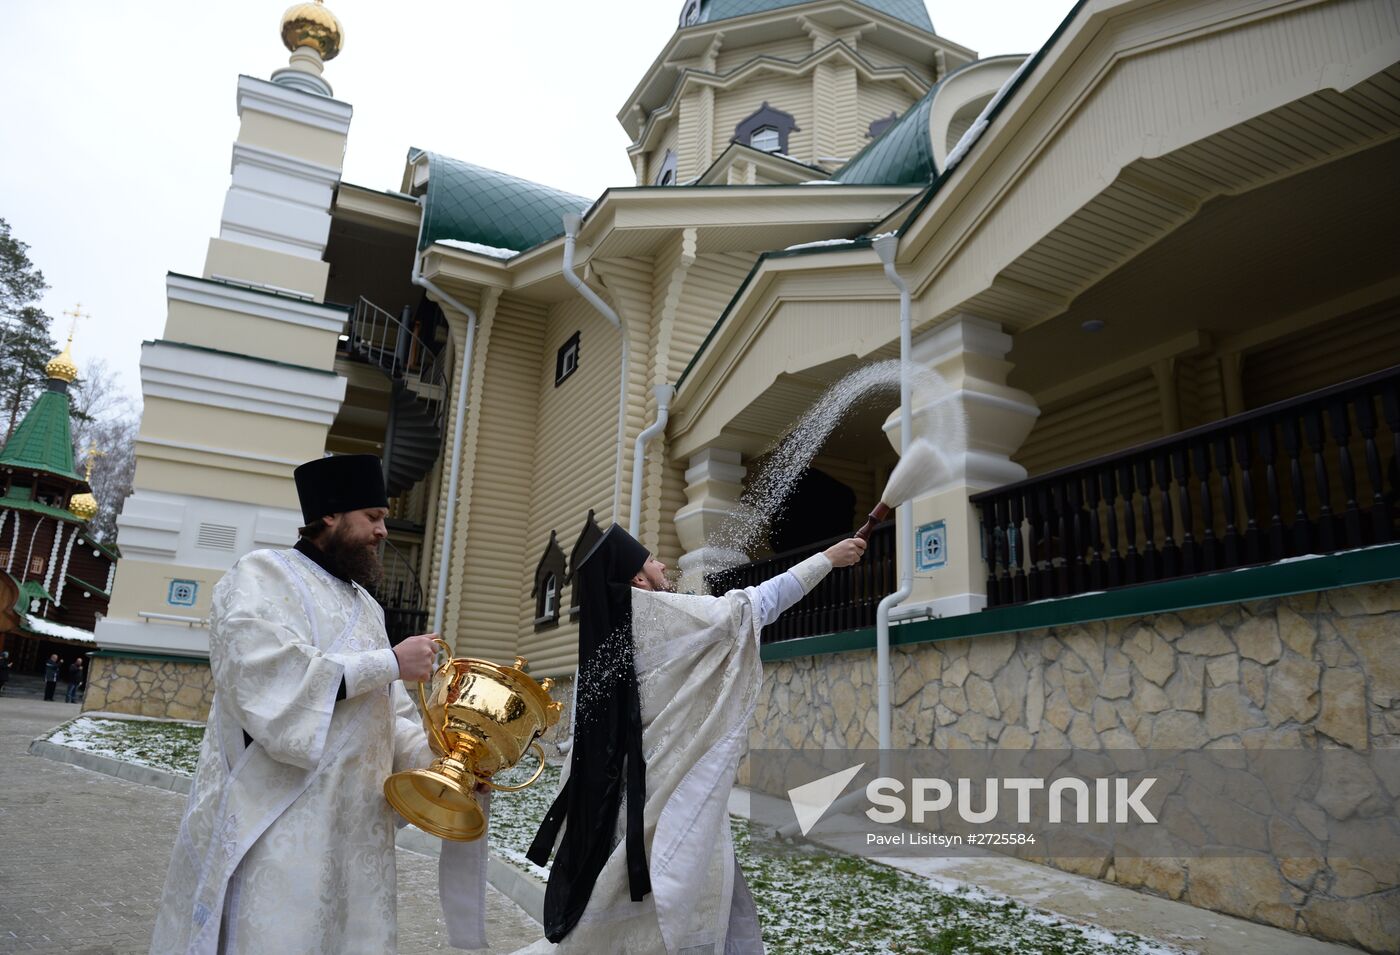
[[885, 247], [571, 225], [463, 386], [663, 413]]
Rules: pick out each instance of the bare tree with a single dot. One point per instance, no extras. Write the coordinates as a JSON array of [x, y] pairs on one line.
[[105, 418], [112, 473]]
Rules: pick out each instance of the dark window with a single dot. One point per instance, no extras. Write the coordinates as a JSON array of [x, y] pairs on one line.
[[878, 127], [767, 129], [589, 536], [690, 12], [566, 362], [549, 576], [667, 175]]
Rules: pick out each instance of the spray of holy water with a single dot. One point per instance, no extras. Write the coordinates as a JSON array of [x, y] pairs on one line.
[[763, 499]]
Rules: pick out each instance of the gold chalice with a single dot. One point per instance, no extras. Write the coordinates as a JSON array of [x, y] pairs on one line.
[[481, 718]]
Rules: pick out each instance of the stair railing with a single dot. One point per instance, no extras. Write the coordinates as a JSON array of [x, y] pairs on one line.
[[377, 337]]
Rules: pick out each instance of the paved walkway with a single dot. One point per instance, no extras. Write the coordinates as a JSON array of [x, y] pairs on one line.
[[83, 857]]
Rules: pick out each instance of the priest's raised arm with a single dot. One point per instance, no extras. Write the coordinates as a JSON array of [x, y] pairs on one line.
[[666, 686]]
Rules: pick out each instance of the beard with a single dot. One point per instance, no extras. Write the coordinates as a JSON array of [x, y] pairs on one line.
[[355, 561]]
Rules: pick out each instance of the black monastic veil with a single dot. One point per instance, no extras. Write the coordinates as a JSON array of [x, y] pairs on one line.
[[607, 747]]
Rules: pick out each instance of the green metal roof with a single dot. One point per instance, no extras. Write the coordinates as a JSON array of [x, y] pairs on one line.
[[32, 590], [902, 155], [44, 439], [470, 203], [912, 12], [15, 504]]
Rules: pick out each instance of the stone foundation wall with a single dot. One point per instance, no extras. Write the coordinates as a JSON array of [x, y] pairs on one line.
[[1308, 671], [176, 689]]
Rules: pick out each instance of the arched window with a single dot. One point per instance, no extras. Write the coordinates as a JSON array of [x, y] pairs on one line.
[[548, 573], [766, 129], [690, 13]]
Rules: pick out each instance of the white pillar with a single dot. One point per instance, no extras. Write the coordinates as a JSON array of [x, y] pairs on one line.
[[714, 482], [969, 354]]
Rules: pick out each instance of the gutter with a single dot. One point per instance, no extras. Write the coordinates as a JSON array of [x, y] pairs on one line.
[[572, 221]]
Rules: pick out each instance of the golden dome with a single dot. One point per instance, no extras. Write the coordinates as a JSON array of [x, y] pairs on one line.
[[83, 506], [61, 365], [311, 24]]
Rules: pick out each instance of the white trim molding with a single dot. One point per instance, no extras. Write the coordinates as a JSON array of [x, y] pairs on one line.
[[224, 380], [247, 301], [321, 112]]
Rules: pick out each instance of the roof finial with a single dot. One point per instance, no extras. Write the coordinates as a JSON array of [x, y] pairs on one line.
[[314, 35]]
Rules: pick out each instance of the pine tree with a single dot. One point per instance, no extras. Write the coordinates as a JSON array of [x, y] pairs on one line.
[[25, 346]]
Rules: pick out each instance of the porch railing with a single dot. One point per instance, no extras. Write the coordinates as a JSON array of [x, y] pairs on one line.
[[845, 600], [1309, 475]]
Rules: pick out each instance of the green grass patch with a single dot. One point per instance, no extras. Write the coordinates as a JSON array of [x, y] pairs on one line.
[[167, 745]]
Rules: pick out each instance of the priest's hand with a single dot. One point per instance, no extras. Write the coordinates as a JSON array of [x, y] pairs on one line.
[[416, 657], [846, 552]]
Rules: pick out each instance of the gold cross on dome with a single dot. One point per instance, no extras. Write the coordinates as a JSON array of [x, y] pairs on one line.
[[92, 453], [76, 312]]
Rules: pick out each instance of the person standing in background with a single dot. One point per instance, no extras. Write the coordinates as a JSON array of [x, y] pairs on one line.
[[75, 680], [51, 671], [4, 669]]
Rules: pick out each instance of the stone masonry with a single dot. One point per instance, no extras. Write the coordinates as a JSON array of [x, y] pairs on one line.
[[1317, 670], [143, 686]]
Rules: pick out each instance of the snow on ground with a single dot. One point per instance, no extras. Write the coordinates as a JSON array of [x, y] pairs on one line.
[[811, 901], [169, 745]]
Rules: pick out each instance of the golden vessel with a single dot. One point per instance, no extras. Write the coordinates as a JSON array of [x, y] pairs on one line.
[[481, 719]]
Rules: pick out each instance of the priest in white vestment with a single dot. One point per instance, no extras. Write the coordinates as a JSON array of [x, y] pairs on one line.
[[287, 842], [666, 686]]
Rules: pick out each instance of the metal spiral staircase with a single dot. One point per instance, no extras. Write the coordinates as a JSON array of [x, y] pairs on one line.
[[418, 382]]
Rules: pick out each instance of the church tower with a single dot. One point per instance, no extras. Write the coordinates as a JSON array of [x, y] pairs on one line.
[[238, 390], [752, 92], [54, 578]]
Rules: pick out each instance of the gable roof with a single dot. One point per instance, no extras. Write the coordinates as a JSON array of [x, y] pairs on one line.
[[469, 203], [912, 12]]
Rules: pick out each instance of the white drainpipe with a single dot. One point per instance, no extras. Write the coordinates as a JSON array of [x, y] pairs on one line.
[[885, 247], [571, 226], [663, 413], [463, 386]]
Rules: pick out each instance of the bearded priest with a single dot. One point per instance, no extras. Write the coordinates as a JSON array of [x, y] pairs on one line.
[[666, 686], [287, 843]]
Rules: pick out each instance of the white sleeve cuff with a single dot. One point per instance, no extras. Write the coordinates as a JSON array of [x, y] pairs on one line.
[[812, 571], [369, 671]]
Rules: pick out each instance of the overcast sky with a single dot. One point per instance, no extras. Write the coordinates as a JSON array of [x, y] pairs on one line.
[[119, 117]]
